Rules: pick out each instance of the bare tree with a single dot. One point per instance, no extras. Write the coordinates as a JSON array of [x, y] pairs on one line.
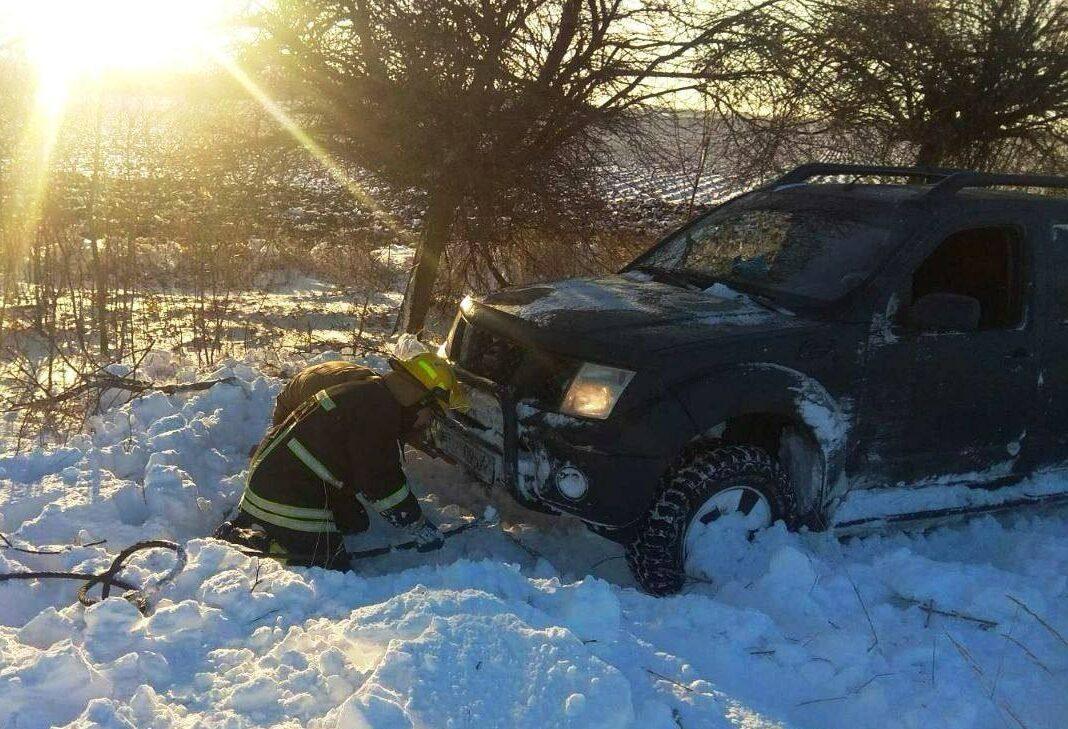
[[970, 83], [483, 104]]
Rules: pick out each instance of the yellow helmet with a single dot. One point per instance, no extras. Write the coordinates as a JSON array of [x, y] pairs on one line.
[[438, 377]]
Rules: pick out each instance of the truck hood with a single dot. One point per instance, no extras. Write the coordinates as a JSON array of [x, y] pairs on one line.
[[629, 313]]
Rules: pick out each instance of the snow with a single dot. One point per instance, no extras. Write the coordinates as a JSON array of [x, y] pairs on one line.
[[532, 623], [718, 304], [723, 291], [396, 255], [577, 295], [948, 492]]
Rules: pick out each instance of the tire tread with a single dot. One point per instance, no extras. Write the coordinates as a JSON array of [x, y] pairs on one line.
[[655, 553]]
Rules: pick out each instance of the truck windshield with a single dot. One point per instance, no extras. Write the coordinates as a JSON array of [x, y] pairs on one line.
[[815, 252]]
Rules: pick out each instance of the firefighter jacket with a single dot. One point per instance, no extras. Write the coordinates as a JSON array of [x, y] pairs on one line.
[[312, 379], [341, 444]]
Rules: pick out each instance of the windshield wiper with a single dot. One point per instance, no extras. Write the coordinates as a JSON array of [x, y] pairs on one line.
[[669, 275], [767, 302]]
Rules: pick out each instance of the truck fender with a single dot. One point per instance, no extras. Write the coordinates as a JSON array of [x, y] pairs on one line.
[[714, 398]]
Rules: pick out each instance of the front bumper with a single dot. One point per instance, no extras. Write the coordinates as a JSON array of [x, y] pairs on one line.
[[511, 446]]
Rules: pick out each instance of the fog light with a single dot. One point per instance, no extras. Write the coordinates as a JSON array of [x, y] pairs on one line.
[[571, 482]]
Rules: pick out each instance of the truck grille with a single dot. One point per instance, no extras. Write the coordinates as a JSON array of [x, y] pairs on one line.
[[534, 374], [489, 355]]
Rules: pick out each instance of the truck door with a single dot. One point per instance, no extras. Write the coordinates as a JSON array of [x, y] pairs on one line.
[[1052, 435], [953, 391]]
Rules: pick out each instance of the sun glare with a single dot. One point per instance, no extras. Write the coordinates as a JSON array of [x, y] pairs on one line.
[[69, 42], [71, 39]]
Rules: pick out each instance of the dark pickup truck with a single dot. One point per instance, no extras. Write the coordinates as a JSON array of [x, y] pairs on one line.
[[802, 352]]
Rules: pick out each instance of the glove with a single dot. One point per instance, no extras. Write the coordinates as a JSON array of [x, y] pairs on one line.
[[426, 536], [255, 539]]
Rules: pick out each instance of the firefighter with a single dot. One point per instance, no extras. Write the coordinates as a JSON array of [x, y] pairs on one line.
[[307, 475]]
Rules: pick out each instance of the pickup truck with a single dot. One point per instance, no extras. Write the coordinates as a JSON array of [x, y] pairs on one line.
[[844, 348]]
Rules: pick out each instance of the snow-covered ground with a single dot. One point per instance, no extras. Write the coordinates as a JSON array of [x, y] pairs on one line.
[[532, 623]]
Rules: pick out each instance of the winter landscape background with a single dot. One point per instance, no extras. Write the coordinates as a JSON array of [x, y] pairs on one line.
[[191, 197], [529, 623]]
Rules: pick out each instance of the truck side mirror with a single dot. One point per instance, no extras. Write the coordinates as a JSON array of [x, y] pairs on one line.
[[944, 312]]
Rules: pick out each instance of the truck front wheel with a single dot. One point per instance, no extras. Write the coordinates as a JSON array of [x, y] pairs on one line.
[[715, 482]]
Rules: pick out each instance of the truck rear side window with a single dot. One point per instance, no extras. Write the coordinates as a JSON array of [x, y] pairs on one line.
[[983, 263]]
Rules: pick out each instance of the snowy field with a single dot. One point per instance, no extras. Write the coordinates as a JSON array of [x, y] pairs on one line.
[[529, 623]]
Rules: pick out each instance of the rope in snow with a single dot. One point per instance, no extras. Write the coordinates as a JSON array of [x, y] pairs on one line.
[[8, 544], [107, 579]]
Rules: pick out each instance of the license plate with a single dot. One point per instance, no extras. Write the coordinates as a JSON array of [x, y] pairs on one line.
[[478, 459]]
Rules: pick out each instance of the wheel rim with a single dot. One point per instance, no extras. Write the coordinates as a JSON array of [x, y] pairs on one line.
[[752, 505]]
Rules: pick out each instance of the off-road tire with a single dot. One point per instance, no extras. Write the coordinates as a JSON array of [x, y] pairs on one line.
[[655, 554]]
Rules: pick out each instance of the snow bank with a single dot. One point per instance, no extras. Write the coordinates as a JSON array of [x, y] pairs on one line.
[[790, 631]]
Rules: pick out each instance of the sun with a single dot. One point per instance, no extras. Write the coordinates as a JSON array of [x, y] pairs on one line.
[[70, 40], [74, 46]]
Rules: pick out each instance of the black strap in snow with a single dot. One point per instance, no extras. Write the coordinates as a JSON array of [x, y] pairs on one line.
[[107, 579], [374, 551]]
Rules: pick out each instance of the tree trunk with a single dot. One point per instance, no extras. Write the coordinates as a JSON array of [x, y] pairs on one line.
[[929, 154], [100, 299], [441, 213], [934, 146]]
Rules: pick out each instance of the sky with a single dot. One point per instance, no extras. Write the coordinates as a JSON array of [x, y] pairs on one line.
[[75, 38]]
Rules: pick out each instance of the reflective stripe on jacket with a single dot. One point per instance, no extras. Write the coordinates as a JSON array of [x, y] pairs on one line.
[[290, 517]]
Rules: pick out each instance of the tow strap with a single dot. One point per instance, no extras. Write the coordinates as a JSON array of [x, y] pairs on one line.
[[139, 596], [374, 551]]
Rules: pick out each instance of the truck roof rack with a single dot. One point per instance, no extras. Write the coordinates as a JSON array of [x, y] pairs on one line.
[[944, 181], [956, 182], [822, 169]]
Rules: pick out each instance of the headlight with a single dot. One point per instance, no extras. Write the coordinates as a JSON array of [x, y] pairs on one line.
[[594, 391]]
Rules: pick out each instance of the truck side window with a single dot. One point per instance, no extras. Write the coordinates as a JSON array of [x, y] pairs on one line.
[[985, 264], [1060, 272]]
